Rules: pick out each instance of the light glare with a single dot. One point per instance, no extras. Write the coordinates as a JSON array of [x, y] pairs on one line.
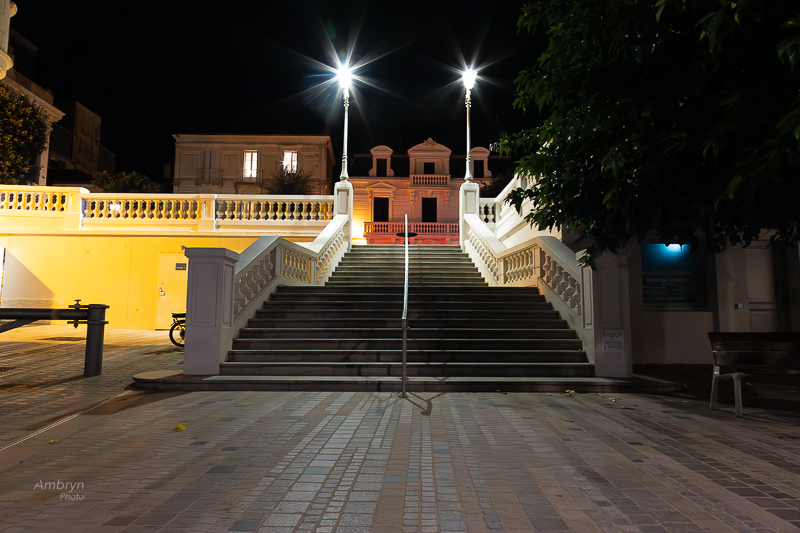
[[345, 76], [469, 77]]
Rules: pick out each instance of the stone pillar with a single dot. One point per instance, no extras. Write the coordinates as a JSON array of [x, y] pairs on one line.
[[613, 356], [468, 204], [209, 309], [343, 205], [7, 10]]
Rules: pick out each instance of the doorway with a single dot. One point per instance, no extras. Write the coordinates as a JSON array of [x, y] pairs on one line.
[[173, 276], [380, 210], [429, 210]]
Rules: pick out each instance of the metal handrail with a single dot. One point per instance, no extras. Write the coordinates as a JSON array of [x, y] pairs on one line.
[[404, 321]]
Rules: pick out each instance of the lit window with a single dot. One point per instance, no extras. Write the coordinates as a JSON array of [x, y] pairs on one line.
[[250, 164], [290, 161]]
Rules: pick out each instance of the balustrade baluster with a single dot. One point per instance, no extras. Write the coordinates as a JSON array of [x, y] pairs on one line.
[[229, 210], [544, 270]]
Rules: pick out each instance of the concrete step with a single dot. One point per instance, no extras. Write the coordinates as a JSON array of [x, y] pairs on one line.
[[168, 380], [412, 283], [412, 334], [395, 355], [344, 295], [270, 313], [397, 303], [412, 369], [394, 322], [346, 279], [393, 342], [498, 292], [444, 268]]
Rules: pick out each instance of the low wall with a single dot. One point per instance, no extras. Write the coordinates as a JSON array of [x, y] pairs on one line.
[[120, 271]]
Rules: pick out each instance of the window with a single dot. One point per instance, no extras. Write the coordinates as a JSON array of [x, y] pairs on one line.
[[290, 161], [429, 168], [380, 171], [250, 165]]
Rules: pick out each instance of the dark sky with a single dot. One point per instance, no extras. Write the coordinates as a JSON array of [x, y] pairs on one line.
[[154, 69]]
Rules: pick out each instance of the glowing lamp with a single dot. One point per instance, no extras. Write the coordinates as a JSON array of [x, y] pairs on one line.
[[345, 76], [469, 77]]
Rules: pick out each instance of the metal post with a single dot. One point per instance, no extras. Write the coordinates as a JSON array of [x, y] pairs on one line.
[[93, 364], [468, 173], [405, 311], [346, 94]]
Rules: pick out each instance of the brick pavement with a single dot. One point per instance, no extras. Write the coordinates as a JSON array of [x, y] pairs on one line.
[[345, 462]]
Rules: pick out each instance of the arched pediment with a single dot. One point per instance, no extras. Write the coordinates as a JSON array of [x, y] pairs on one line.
[[479, 152], [381, 151], [429, 148]]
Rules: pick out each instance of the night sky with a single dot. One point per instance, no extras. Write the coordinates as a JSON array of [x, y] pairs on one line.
[[151, 69]]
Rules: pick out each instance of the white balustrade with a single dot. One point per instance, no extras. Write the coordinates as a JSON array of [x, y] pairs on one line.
[[435, 180], [542, 261], [268, 208], [487, 210], [142, 207], [234, 285], [42, 199], [80, 209]]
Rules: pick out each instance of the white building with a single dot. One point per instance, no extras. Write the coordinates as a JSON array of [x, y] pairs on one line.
[[241, 164]]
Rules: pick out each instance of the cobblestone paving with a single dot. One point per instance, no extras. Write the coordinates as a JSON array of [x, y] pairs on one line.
[[344, 462], [43, 379]]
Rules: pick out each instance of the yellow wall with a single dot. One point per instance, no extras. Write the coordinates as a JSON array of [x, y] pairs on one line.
[[119, 271]]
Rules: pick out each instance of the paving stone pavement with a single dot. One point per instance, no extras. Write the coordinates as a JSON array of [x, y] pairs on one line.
[[345, 462]]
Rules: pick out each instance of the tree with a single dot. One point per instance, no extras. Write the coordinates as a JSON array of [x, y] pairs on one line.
[[23, 137], [675, 116], [281, 181], [123, 182]]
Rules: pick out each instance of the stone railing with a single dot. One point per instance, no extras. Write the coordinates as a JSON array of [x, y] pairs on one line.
[[300, 207], [487, 210], [435, 180], [542, 261], [426, 228], [42, 199], [52, 208], [68, 208], [226, 288]]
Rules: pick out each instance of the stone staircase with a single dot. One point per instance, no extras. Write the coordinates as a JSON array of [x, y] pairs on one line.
[[463, 334]]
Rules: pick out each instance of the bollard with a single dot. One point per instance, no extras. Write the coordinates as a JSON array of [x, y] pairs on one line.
[[93, 364]]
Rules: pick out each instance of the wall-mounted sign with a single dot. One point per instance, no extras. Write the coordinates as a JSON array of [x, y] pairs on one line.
[[180, 266], [671, 275], [613, 342]]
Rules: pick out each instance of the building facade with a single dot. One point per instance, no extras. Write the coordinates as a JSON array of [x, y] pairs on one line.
[[242, 164], [423, 184]]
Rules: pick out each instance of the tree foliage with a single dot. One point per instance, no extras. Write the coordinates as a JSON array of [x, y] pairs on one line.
[[281, 181], [123, 182], [23, 137], [675, 116]]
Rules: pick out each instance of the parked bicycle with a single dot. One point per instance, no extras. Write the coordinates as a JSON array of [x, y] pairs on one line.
[[177, 332]]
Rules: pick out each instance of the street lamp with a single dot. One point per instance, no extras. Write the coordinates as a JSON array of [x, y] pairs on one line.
[[345, 77], [468, 78]]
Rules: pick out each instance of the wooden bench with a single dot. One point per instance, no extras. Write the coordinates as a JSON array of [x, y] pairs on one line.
[[751, 352]]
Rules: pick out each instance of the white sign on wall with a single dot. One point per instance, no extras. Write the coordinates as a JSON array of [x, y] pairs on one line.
[[613, 341]]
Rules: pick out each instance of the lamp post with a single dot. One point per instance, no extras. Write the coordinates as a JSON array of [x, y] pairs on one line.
[[345, 77], [469, 193], [468, 78]]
